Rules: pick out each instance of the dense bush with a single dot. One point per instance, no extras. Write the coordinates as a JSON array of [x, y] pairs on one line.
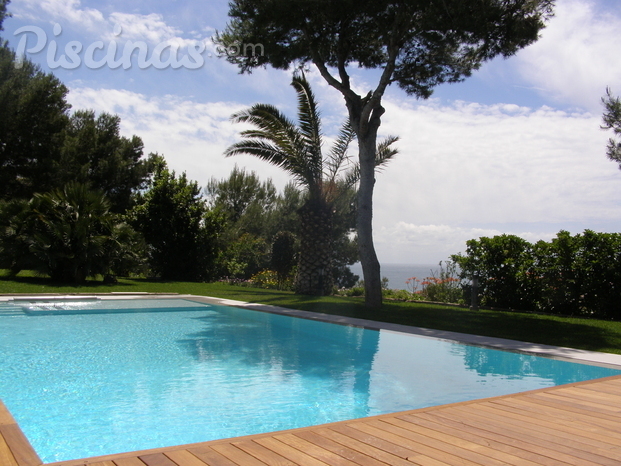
[[572, 275], [69, 234], [180, 232], [283, 258]]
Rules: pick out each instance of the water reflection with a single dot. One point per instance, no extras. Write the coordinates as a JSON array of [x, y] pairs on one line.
[[291, 347], [487, 362], [379, 372]]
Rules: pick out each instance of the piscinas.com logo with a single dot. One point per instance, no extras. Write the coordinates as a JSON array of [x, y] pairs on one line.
[[125, 54]]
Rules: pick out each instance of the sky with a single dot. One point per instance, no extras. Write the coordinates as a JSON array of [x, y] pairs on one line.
[[517, 148]]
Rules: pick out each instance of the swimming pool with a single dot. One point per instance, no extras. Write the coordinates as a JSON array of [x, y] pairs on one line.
[[122, 377]]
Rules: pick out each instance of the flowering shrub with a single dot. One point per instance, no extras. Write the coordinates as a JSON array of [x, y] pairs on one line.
[[269, 279], [444, 288]]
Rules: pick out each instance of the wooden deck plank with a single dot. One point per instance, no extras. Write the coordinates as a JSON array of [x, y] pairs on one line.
[[341, 450], [451, 437], [427, 445], [184, 457], [568, 436], [157, 459], [473, 434], [593, 409], [610, 382], [378, 443], [287, 451], [132, 461], [588, 415], [6, 456], [596, 393], [22, 451], [211, 457], [5, 416], [364, 447], [610, 388], [316, 451], [507, 436], [263, 454], [236, 455], [592, 435], [15, 447], [577, 425], [606, 402], [418, 447], [551, 442], [586, 424]]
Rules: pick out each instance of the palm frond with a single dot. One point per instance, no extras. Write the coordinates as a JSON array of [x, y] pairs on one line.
[[309, 123], [275, 139], [338, 155], [384, 153], [268, 119]]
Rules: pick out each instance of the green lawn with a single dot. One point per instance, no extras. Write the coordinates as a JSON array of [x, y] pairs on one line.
[[594, 335]]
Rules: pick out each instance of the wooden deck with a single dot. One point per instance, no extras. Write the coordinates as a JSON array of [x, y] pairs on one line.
[[577, 424]]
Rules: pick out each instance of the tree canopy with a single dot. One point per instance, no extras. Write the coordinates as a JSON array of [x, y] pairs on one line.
[[612, 120], [417, 44], [94, 151], [180, 232], [3, 12], [33, 114]]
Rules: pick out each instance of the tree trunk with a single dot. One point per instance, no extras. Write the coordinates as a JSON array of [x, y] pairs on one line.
[[365, 116], [368, 257], [314, 275]]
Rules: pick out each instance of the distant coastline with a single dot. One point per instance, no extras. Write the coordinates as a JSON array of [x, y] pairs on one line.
[[397, 274]]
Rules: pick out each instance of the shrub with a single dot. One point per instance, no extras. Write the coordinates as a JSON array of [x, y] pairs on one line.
[[572, 275], [269, 279]]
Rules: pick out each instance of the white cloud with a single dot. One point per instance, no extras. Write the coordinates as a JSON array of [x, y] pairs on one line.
[[410, 243], [60, 11], [192, 136], [577, 55], [497, 164], [470, 164], [151, 28]]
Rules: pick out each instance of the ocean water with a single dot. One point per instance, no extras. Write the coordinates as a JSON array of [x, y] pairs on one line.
[[397, 274]]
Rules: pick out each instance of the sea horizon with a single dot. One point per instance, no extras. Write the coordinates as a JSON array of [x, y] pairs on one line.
[[398, 274]]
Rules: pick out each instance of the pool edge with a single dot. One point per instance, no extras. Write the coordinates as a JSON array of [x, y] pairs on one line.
[[609, 360], [15, 449]]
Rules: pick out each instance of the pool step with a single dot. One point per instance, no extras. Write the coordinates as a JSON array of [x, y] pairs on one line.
[[11, 310]]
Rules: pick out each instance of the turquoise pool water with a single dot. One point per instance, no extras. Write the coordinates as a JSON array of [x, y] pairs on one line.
[[83, 383]]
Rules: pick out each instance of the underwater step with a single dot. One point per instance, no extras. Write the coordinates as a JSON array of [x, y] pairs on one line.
[[11, 310]]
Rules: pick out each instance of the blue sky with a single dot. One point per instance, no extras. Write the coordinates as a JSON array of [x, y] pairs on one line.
[[517, 148]]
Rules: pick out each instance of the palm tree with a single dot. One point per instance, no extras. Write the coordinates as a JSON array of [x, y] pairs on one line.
[[72, 234], [298, 150]]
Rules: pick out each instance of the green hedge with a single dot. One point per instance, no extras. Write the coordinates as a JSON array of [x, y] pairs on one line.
[[570, 275]]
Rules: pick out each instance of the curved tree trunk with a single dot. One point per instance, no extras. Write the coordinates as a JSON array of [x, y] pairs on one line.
[[314, 275]]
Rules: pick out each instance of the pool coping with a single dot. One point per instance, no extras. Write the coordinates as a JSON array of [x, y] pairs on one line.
[[556, 352]]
